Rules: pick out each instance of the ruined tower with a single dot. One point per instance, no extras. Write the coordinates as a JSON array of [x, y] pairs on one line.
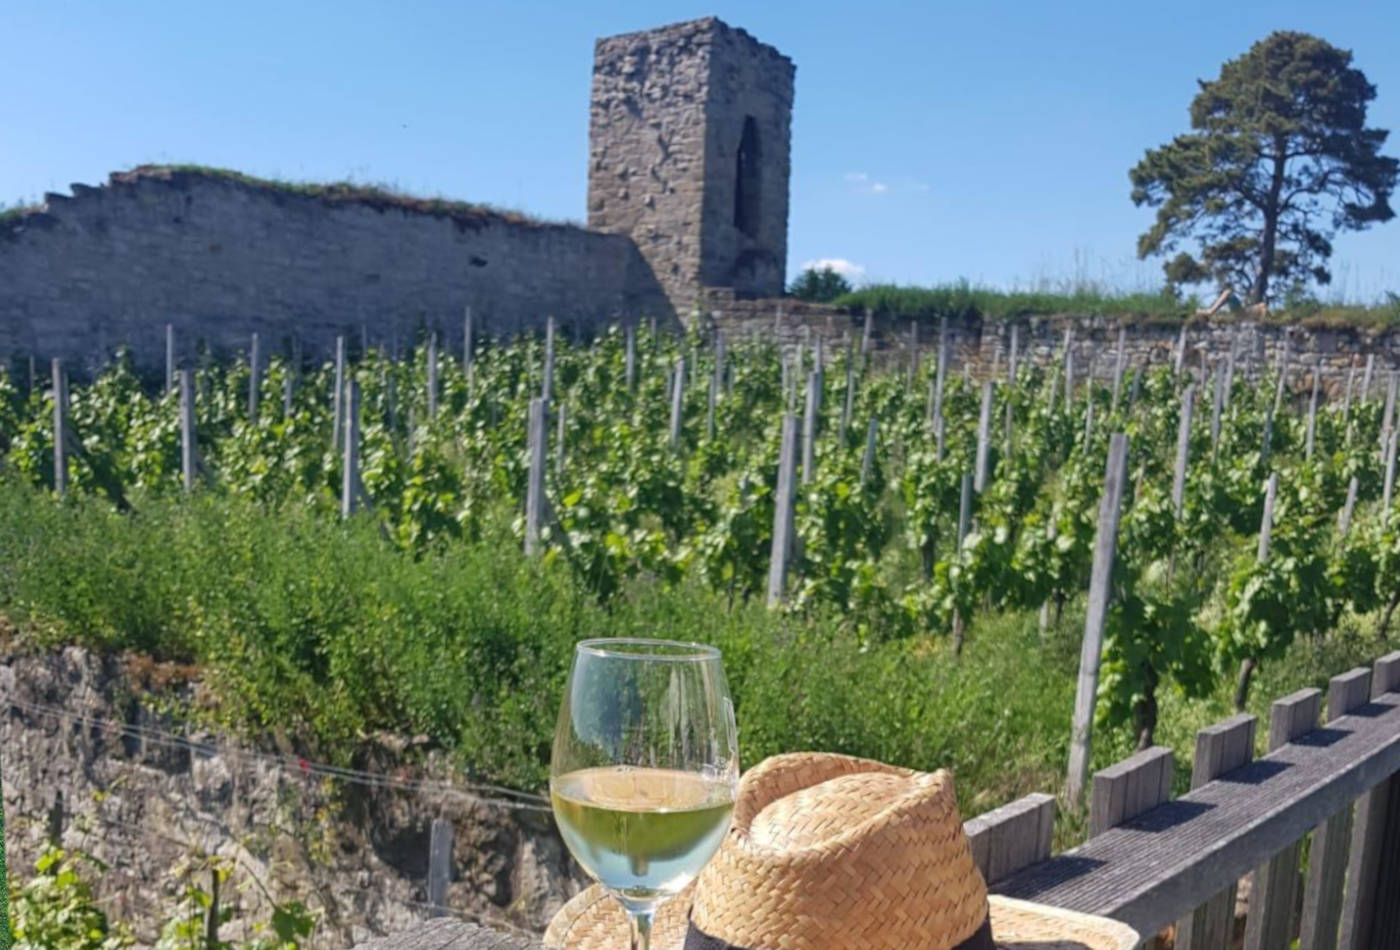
[[689, 141]]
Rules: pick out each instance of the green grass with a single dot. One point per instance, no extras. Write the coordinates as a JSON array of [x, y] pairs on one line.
[[378, 196], [965, 301], [322, 632]]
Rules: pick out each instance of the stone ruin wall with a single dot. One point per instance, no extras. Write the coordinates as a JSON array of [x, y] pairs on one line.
[[85, 759], [220, 259], [983, 346]]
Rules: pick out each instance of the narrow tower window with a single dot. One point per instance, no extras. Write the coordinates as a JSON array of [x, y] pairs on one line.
[[746, 180]]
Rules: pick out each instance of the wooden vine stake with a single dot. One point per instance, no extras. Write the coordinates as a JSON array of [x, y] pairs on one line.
[[1013, 356], [677, 403], [60, 428], [534, 485], [1266, 528], [781, 552], [984, 432], [1183, 449], [1367, 376], [964, 525], [338, 394], [849, 405], [1388, 492], [189, 457], [1312, 414], [940, 372], [867, 461], [809, 429], [547, 384], [1180, 361], [350, 490], [1344, 519], [866, 335], [629, 364], [432, 376], [1118, 364], [254, 377], [1100, 591], [169, 358]]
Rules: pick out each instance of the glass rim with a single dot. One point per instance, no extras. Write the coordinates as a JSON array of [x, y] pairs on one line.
[[685, 651]]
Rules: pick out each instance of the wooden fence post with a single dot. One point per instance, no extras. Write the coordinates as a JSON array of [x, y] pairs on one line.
[[188, 449], [781, 552], [338, 396], [677, 403], [60, 428], [350, 470], [254, 377], [1100, 591], [1220, 748], [1126, 789], [1275, 888], [1372, 888], [169, 358], [1012, 837], [439, 865], [984, 434], [1183, 449], [534, 485], [1327, 855]]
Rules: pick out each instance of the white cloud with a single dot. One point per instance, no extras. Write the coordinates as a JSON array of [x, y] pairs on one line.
[[879, 188], [852, 272]]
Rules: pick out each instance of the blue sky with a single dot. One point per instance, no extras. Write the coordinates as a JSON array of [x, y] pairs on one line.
[[988, 141]]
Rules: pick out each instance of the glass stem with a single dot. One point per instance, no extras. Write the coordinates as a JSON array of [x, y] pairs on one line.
[[641, 928]]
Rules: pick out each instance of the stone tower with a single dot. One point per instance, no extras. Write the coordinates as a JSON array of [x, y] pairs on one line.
[[689, 141]]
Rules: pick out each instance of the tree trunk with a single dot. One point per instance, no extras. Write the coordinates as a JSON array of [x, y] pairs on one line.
[[1260, 291], [1242, 688], [1145, 709], [1389, 612]]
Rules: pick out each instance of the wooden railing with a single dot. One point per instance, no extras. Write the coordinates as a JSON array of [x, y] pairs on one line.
[[1153, 861]]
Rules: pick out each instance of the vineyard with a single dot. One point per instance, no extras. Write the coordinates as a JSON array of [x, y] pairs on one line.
[[884, 503]]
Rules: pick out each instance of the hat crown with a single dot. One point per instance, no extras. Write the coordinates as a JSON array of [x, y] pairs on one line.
[[833, 851]]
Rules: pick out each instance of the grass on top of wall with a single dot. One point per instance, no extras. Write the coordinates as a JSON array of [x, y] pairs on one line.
[[964, 301], [378, 196]]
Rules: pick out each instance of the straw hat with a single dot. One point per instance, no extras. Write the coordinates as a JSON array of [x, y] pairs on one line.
[[829, 852]]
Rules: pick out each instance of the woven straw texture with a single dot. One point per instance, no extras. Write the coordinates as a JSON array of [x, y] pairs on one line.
[[831, 852]]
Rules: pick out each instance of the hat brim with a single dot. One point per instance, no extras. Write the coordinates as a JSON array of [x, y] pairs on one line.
[[593, 920]]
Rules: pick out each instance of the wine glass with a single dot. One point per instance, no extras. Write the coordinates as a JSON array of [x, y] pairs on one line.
[[645, 768]]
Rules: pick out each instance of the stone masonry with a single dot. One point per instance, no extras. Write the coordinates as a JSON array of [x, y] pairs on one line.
[[88, 761], [689, 153]]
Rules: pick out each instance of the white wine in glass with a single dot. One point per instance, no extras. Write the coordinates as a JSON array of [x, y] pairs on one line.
[[645, 768]]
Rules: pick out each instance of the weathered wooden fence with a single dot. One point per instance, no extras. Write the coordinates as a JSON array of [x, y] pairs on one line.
[[1329, 790]]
